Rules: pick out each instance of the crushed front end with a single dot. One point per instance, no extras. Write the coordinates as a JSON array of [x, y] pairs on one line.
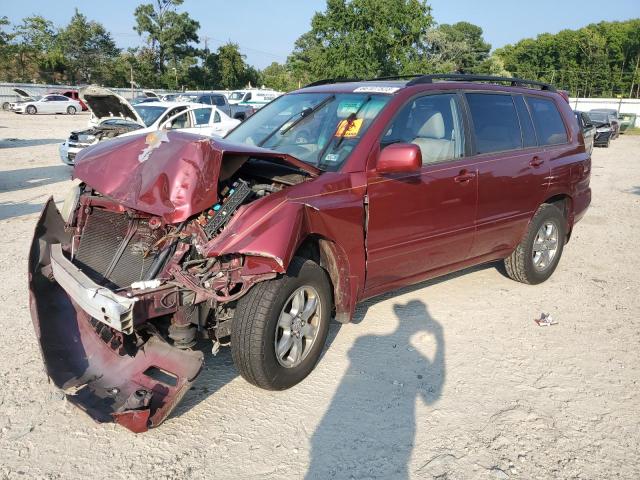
[[122, 282]]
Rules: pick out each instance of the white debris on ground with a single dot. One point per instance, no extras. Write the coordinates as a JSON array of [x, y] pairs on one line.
[[448, 379]]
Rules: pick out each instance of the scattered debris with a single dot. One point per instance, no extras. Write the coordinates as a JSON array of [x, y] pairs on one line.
[[545, 320]]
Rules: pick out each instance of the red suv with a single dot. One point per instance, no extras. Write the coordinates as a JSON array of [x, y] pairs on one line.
[[325, 197]]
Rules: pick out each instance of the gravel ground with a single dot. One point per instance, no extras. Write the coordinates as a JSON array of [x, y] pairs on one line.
[[448, 379]]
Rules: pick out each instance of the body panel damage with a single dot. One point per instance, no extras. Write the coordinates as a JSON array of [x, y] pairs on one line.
[[135, 385]]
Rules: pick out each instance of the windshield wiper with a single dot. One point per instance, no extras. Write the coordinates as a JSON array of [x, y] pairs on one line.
[[349, 122], [304, 114]]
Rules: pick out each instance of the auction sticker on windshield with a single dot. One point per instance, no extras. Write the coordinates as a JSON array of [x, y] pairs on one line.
[[349, 128]]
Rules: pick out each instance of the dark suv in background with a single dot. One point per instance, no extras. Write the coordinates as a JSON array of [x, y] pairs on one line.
[[327, 196]]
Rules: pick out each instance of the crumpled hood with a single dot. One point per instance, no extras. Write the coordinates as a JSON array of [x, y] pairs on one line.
[[170, 174]]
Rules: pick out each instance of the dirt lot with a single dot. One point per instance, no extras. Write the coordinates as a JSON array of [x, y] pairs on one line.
[[448, 379]]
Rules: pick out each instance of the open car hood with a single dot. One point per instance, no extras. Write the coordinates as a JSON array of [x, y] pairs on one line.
[[104, 104], [24, 96], [171, 174]]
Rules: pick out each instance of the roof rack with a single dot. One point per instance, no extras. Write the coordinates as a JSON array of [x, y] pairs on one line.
[[460, 77], [328, 81]]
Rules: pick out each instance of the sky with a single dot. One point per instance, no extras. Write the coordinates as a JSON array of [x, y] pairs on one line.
[[267, 29]]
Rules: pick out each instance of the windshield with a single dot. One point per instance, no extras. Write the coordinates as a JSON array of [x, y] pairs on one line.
[[148, 113], [321, 129], [599, 117], [236, 96]]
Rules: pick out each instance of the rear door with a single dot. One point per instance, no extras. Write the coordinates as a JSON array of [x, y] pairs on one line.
[[513, 170], [423, 221]]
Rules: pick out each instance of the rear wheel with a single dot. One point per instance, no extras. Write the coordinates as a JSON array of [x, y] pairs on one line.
[[71, 110], [280, 326], [536, 257], [31, 110]]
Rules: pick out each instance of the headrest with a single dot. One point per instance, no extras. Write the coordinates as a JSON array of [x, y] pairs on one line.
[[433, 128]]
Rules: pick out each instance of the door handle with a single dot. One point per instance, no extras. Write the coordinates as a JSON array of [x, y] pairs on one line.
[[464, 176], [536, 162]]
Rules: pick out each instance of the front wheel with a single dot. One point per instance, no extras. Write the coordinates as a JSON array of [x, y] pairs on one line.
[[280, 326], [31, 110], [71, 110], [537, 255]]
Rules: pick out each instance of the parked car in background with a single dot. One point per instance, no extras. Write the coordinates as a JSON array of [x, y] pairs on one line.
[[74, 95], [254, 95], [240, 112], [606, 129], [48, 104], [23, 96], [328, 196], [613, 119], [588, 130], [116, 117], [627, 121]]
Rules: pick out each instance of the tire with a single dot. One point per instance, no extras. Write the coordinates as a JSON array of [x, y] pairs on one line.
[[71, 110], [606, 145], [528, 266], [31, 110], [257, 327], [5, 105]]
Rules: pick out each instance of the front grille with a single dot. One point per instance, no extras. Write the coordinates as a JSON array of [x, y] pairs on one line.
[[114, 250]]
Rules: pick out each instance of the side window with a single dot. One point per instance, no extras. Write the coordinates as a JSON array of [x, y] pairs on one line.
[[495, 122], [202, 116], [548, 121], [433, 123], [181, 121], [247, 97], [219, 101], [171, 113], [216, 118], [526, 124]]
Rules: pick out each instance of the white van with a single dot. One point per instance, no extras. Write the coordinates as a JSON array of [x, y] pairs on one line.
[[258, 96]]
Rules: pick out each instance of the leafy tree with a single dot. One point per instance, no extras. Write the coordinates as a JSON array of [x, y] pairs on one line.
[[232, 69], [36, 49], [279, 77], [87, 47], [596, 60], [362, 38], [461, 45], [170, 34]]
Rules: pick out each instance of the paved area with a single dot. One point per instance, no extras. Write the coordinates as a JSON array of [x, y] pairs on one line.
[[449, 379]]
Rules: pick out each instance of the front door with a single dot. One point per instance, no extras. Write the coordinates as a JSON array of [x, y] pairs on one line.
[[423, 221]]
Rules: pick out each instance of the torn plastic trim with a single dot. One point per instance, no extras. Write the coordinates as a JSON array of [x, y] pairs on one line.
[[137, 390], [99, 302]]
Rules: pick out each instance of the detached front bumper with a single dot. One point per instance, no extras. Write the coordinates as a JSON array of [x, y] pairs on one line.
[[137, 389]]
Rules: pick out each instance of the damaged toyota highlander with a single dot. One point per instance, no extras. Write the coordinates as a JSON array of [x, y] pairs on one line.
[[327, 196]]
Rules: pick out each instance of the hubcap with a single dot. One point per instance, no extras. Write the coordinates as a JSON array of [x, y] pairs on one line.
[[545, 246], [298, 326]]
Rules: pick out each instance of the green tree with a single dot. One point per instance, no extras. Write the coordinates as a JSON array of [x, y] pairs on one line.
[[36, 49], [362, 38], [87, 47], [170, 33], [596, 60], [279, 77], [462, 46], [232, 69]]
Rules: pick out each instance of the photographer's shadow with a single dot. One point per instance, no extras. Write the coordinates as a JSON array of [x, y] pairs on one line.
[[368, 430]]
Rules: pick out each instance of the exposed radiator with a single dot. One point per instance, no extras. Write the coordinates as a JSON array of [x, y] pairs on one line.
[[115, 251]]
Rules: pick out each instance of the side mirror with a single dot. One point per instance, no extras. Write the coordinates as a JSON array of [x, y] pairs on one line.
[[400, 157]]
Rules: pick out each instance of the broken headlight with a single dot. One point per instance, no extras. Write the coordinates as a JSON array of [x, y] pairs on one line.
[[71, 200]]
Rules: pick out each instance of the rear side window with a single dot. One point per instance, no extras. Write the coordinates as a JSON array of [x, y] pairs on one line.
[[202, 115], [495, 122], [526, 124], [219, 101], [548, 121]]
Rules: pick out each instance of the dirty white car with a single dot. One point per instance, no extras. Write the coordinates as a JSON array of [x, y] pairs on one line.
[[116, 117], [53, 103]]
